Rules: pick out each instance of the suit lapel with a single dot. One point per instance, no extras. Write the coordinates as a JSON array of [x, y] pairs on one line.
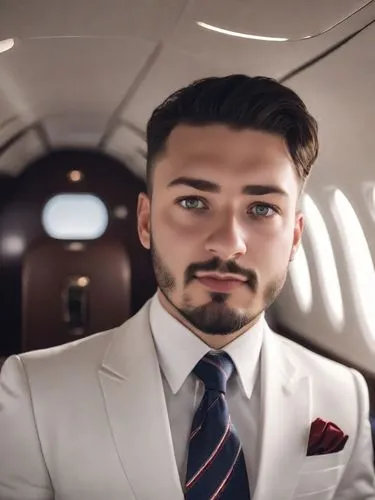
[[285, 421], [134, 397]]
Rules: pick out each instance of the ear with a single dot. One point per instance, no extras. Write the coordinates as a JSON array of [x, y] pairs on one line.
[[297, 234], [144, 219]]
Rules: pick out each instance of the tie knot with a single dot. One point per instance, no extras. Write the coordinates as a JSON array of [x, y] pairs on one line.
[[214, 370]]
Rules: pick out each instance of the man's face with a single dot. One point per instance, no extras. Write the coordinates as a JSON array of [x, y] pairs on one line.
[[222, 224]]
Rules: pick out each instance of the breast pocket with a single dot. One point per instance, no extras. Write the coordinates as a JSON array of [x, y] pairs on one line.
[[319, 476]]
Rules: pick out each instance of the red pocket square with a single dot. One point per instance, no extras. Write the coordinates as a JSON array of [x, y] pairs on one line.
[[325, 437]]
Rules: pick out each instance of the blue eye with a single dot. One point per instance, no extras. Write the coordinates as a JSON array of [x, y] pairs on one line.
[[191, 203], [261, 210]]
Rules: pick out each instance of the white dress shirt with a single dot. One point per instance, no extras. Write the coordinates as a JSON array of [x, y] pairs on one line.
[[179, 350]]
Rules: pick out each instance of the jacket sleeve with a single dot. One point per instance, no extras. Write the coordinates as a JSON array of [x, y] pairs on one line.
[[23, 472], [358, 481]]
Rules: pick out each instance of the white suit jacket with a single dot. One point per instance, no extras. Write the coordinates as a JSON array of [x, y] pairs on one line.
[[88, 421]]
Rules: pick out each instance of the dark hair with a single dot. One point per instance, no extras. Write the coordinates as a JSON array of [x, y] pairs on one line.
[[241, 102]]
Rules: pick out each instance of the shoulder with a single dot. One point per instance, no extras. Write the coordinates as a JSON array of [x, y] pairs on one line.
[[325, 372], [57, 366], [81, 349], [80, 358]]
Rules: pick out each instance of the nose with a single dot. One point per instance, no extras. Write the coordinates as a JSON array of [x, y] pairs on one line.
[[227, 240]]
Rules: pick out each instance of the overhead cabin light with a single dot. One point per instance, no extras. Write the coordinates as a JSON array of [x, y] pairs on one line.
[[75, 246], [120, 212], [75, 176], [12, 245], [241, 35], [6, 44], [83, 281]]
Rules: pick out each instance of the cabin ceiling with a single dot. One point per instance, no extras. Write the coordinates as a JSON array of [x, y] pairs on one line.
[[94, 70]]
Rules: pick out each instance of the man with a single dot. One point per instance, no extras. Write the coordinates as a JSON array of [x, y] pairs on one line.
[[194, 397]]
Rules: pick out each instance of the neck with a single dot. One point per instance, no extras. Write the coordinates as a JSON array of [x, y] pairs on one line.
[[213, 340]]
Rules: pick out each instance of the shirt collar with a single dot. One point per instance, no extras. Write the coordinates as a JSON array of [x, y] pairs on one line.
[[179, 350]]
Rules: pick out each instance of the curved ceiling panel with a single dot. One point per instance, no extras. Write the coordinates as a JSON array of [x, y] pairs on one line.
[[7, 119], [191, 52], [14, 159], [79, 128], [113, 18], [128, 145], [292, 19], [73, 86], [72, 75]]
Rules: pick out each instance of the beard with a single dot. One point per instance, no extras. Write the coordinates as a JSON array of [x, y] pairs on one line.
[[215, 317]]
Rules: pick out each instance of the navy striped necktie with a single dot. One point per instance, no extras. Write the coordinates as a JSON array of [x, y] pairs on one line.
[[216, 466]]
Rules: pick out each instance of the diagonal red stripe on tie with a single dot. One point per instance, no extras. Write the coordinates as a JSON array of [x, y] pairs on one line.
[[210, 459], [228, 476]]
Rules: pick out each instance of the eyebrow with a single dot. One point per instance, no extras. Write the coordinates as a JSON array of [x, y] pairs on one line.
[[211, 187]]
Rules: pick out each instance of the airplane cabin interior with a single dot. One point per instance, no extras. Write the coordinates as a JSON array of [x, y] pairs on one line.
[[78, 82]]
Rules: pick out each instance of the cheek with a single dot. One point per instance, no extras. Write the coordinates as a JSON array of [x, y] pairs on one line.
[[175, 242], [270, 247], [181, 228]]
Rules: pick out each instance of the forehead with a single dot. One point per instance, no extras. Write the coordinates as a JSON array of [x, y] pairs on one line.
[[224, 154]]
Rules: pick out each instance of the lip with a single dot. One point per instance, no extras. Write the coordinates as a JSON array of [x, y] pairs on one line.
[[220, 276], [220, 284]]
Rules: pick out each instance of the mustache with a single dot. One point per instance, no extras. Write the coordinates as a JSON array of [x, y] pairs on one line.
[[219, 266]]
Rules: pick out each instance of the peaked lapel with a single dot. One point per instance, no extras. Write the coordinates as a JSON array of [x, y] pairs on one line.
[[137, 412], [285, 421]]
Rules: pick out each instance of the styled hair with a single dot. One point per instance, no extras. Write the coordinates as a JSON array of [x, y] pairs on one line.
[[240, 102]]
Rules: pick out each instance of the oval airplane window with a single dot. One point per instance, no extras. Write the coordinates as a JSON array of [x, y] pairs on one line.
[[75, 217], [301, 280], [359, 262], [325, 262]]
